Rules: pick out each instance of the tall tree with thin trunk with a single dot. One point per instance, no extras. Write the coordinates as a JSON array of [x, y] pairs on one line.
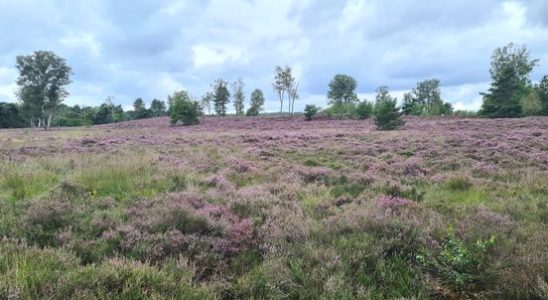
[[239, 97], [206, 101], [42, 79], [279, 86], [293, 95]]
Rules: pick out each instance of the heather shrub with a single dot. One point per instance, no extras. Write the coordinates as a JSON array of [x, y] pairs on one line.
[[285, 225], [397, 189], [524, 274], [45, 218]]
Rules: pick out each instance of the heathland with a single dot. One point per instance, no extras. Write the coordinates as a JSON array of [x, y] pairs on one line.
[[264, 207]]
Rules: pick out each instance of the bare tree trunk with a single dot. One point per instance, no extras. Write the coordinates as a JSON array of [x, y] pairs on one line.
[[39, 122]]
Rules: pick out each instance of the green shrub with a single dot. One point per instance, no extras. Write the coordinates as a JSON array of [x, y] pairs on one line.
[[310, 111], [364, 110], [459, 264], [341, 111], [388, 115], [459, 184], [185, 110]]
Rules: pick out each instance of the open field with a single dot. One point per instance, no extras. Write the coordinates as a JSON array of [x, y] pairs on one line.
[[276, 208]]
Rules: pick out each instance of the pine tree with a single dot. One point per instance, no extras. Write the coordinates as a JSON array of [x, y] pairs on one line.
[[387, 112], [221, 97]]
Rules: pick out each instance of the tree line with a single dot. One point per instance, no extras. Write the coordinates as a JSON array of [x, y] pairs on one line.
[[43, 77]]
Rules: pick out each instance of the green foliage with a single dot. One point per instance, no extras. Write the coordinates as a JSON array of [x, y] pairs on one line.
[[341, 111], [530, 104], [157, 108], [139, 110], [364, 109], [542, 91], [31, 273], [510, 69], [184, 109], [310, 111], [285, 85], [11, 116], [257, 103], [239, 97], [387, 113], [425, 99], [42, 79], [206, 101], [465, 113], [342, 90], [221, 97], [458, 184], [458, 263]]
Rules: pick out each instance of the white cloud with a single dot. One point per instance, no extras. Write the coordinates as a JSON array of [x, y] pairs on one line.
[[82, 41], [150, 48], [217, 55]]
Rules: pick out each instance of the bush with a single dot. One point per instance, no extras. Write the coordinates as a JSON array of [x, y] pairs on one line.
[[310, 111], [185, 110], [364, 110], [341, 111], [388, 115]]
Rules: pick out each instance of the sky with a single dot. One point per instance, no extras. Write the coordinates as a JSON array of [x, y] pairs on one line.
[[150, 48]]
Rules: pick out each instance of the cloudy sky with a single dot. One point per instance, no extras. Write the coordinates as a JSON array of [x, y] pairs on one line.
[[149, 48]]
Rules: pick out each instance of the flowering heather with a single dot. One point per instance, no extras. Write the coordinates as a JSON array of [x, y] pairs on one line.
[[269, 207]]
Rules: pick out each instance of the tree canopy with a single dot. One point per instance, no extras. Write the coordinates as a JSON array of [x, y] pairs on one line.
[[510, 69], [342, 90], [42, 79]]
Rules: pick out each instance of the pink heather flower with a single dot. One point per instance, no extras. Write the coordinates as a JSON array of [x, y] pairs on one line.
[[390, 202]]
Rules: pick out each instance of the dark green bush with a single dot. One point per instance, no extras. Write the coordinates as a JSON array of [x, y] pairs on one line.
[[364, 110], [310, 111], [185, 110], [388, 115]]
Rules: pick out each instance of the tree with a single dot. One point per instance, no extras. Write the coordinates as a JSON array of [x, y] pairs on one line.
[[284, 84], [157, 108], [542, 91], [310, 111], [425, 99], [387, 113], [279, 85], [411, 105], [184, 108], [257, 103], [510, 69], [10, 116], [221, 97], [239, 97], [140, 110], [206, 101], [42, 79], [342, 90], [293, 95]]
